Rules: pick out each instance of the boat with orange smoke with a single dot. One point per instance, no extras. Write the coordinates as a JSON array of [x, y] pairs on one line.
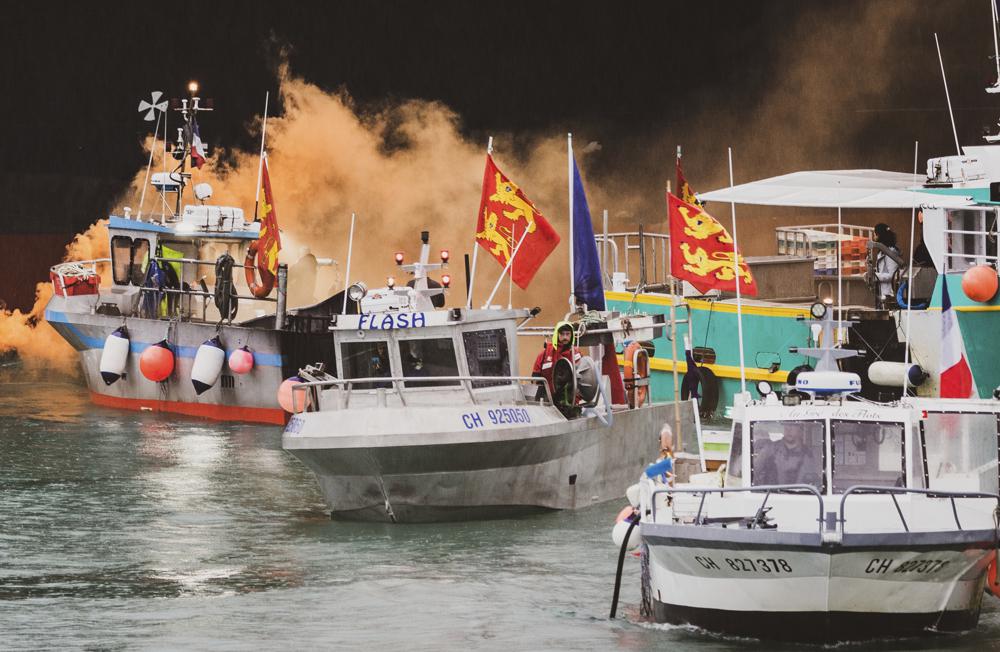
[[189, 313]]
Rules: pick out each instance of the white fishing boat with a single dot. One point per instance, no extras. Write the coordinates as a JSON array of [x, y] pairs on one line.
[[425, 416], [834, 519]]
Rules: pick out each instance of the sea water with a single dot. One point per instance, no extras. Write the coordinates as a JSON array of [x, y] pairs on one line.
[[134, 530]]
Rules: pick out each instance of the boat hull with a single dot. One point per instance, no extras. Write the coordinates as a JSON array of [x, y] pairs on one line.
[[799, 587], [248, 397], [445, 473]]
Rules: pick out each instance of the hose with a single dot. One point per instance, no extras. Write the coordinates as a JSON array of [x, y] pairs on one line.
[[621, 563]]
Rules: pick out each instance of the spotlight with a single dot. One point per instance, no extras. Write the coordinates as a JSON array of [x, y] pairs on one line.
[[390, 282], [193, 87], [357, 292]]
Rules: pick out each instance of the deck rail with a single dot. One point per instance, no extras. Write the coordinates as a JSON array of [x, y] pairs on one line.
[[895, 491], [312, 396], [767, 490]]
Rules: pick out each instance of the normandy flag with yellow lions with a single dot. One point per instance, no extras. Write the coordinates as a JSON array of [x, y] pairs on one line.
[[701, 251], [505, 216], [269, 243]]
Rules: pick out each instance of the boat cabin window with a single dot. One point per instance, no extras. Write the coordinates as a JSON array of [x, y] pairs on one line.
[[787, 452], [734, 467], [960, 451], [487, 354], [971, 239], [129, 259], [427, 358], [868, 453], [368, 359]]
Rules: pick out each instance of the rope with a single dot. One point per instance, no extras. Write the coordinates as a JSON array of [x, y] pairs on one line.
[[621, 563]]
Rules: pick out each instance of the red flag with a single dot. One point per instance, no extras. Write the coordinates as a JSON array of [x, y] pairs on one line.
[[684, 190], [701, 251], [504, 216], [269, 243]]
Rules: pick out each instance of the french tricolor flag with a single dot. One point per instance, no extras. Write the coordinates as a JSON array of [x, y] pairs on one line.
[[956, 377], [197, 149]]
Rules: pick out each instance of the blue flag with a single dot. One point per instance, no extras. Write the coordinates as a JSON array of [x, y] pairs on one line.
[[586, 264]]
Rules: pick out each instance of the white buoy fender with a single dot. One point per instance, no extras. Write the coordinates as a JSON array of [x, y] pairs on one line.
[[114, 357], [632, 493], [890, 374], [618, 534], [207, 365]]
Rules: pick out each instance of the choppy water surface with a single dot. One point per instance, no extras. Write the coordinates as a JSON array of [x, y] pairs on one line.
[[134, 530]]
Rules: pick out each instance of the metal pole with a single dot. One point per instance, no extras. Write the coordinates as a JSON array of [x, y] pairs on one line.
[[507, 267], [947, 96], [279, 315], [347, 273], [736, 269], [260, 165], [569, 172], [909, 281], [475, 242], [678, 435], [840, 277], [604, 251]]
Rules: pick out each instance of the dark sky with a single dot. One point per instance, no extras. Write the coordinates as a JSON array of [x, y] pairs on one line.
[[623, 73]]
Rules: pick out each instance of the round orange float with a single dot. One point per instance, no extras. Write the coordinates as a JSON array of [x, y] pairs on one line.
[[157, 362], [289, 400], [980, 283]]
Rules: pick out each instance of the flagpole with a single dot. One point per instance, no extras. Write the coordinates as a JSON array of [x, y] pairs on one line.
[[736, 270], [475, 244], [506, 267], [260, 164], [149, 165], [510, 279], [569, 169], [909, 282], [840, 278], [673, 330], [347, 273]]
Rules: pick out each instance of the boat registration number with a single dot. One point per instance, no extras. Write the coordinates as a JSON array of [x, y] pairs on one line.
[[769, 565], [499, 416]]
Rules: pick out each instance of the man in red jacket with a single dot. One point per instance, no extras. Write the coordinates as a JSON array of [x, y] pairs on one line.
[[561, 346]]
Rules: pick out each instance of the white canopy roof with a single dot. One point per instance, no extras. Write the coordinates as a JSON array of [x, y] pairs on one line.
[[837, 188]]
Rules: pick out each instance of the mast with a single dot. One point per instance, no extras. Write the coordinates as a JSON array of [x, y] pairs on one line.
[[189, 108], [572, 272]]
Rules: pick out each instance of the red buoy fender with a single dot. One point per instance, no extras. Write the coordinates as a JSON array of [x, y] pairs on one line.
[[991, 579], [262, 288]]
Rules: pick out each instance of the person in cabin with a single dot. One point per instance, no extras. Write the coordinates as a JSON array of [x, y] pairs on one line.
[[886, 265], [561, 346], [790, 460]]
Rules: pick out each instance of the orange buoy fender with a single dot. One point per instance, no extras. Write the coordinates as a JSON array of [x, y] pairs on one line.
[[262, 288], [636, 368], [157, 362], [114, 357], [980, 283], [288, 400], [991, 578], [241, 360]]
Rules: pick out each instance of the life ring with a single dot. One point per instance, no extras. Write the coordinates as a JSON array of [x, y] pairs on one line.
[[636, 368], [266, 284], [991, 579]]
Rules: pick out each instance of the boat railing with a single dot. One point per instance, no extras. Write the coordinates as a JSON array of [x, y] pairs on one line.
[[624, 244], [310, 395], [767, 490], [929, 493]]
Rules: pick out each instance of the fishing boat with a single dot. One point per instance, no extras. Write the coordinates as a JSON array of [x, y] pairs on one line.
[[425, 417], [834, 519], [190, 322], [952, 206]]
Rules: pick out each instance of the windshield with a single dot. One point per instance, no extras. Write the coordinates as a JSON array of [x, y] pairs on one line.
[[961, 451], [426, 358], [368, 359], [867, 453], [787, 452]]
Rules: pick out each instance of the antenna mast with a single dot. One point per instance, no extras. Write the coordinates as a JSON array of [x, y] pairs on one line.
[[947, 96]]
